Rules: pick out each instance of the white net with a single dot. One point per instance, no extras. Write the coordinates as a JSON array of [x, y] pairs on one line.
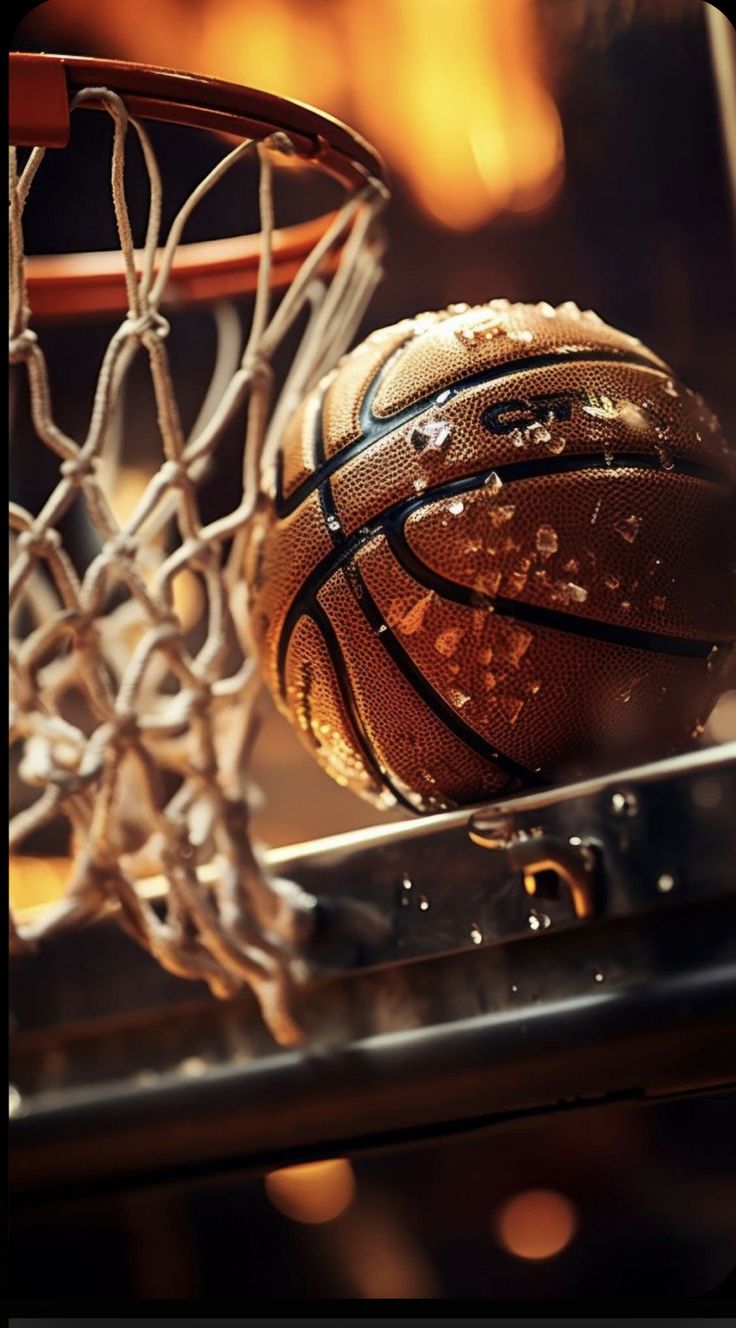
[[127, 718]]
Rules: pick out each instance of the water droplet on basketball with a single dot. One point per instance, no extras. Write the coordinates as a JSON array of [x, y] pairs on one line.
[[573, 593], [423, 903], [493, 482], [628, 528], [476, 935], [448, 641], [456, 506], [546, 541], [431, 436], [458, 698], [556, 445]]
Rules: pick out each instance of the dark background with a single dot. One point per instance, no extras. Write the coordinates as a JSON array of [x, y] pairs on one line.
[[642, 232]]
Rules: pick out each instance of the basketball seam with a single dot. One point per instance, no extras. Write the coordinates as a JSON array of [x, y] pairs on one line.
[[321, 620], [344, 550], [432, 698], [555, 619], [374, 428]]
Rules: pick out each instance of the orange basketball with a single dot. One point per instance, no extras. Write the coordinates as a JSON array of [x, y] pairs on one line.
[[500, 551]]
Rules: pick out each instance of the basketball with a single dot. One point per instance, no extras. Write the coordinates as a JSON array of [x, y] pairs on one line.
[[499, 552]]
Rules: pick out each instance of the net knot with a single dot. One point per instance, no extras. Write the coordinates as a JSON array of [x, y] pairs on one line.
[[77, 468], [125, 728], [150, 321], [39, 542], [22, 344], [173, 474], [121, 546]]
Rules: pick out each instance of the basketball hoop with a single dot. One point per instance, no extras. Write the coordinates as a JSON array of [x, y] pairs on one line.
[[108, 686]]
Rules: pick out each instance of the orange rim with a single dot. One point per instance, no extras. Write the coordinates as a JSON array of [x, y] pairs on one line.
[[64, 286]]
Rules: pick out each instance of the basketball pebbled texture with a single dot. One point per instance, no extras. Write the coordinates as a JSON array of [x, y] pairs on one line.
[[500, 552]]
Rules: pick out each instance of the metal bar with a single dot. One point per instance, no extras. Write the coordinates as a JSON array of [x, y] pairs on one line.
[[663, 1021]]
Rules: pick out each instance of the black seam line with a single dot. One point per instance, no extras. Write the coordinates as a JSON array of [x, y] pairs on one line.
[[535, 614], [350, 702], [508, 474], [326, 497], [432, 699], [373, 429]]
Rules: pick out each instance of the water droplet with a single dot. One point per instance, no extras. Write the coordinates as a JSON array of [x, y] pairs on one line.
[[569, 309], [476, 935], [432, 436], [408, 616], [448, 641], [665, 883], [518, 641], [546, 310], [458, 698], [488, 582], [517, 437], [591, 316], [633, 416], [557, 445], [423, 903], [534, 686], [536, 433], [333, 523], [538, 921], [625, 606], [493, 482], [624, 803], [628, 528], [600, 406], [665, 456], [596, 511], [573, 593], [420, 485], [712, 658], [598, 976], [519, 575], [381, 628], [611, 582], [608, 454], [406, 883], [15, 1101], [511, 707], [444, 396], [546, 541], [670, 388], [501, 514], [523, 335], [625, 693], [487, 330], [456, 506], [460, 308]]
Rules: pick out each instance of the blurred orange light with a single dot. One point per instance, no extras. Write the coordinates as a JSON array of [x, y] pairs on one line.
[[536, 1224], [452, 92], [314, 1192]]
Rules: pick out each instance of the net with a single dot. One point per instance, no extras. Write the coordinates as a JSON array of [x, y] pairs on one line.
[[132, 718]]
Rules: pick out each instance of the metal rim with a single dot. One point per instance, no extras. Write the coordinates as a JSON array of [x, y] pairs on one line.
[[42, 88]]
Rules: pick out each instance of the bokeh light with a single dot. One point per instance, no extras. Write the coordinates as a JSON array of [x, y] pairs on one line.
[[314, 1192], [536, 1224]]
